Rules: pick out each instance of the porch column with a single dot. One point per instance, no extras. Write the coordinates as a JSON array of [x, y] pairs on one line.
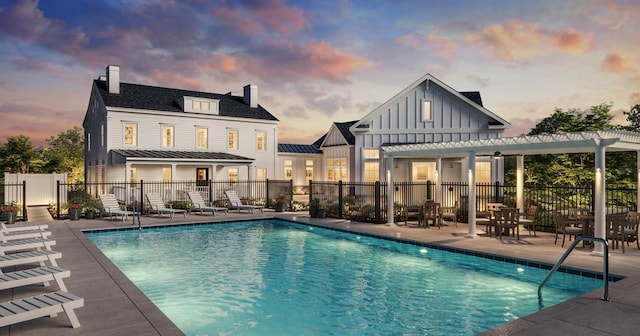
[[389, 170], [520, 183], [471, 200], [127, 180], [600, 218], [638, 180], [438, 196]]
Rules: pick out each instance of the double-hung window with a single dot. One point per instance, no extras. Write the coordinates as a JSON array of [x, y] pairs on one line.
[[232, 136], [261, 141], [130, 132], [167, 136], [201, 137]]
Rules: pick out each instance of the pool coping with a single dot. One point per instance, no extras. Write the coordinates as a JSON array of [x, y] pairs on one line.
[[114, 305]]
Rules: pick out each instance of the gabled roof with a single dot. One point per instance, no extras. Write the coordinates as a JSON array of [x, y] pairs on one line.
[[472, 98], [346, 133], [156, 98], [179, 155], [298, 149]]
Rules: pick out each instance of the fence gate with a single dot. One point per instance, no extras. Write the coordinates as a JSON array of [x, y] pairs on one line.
[[40, 188]]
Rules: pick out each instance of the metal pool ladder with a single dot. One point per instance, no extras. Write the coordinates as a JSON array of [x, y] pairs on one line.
[[605, 266]]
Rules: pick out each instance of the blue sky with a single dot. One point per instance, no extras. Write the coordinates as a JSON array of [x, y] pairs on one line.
[[316, 62]]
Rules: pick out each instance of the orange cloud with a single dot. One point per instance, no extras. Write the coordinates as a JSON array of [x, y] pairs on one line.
[[510, 41], [615, 63], [634, 98], [328, 62], [226, 63], [444, 47], [407, 40], [571, 40]]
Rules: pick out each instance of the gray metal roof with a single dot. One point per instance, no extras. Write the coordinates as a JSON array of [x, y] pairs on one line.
[[298, 149], [155, 155]]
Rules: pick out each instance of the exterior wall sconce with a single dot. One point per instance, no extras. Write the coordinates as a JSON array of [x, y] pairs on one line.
[[497, 155]]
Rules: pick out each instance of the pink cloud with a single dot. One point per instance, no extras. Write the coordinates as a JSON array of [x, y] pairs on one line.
[[407, 40], [571, 40], [226, 63], [230, 17], [280, 17], [444, 47], [615, 62], [634, 98], [510, 41], [288, 61], [36, 122]]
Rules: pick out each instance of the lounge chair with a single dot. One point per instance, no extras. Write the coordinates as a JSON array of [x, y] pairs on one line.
[[49, 304], [112, 207], [33, 276], [29, 257], [26, 244], [236, 203], [198, 204], [528, 219], [156, 205], [6, 236], [14, 228]]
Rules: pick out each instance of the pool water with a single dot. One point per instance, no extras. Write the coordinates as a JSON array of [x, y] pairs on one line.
[[271, 277]]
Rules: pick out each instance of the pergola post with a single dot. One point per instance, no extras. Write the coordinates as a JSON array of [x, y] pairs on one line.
[[471, 200], [390, 192], [599, 199], [438, 194], [520, 183]]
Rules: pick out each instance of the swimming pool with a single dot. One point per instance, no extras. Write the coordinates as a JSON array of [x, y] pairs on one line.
[[273, 277]]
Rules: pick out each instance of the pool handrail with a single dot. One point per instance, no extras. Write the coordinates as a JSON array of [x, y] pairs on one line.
[[605, 266]]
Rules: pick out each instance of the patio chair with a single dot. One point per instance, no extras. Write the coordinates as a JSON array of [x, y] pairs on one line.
[[14, 228], [112, 207], [156, 205], [563, 227], [411, 212], [507, 221], [528, 219], [615, 231], [42, 305], [431, 214], [198, 204], [631, 229], [450, 213], [236, 203]]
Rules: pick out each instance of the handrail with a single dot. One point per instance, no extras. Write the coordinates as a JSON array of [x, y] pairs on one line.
[[605, 266]]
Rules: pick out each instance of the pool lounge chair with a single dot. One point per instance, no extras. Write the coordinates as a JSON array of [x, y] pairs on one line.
[[236, 203], [28, 257], [198, 204], [112, 207], [14, 228], [33, 276], [156, 205], [6, 236], [49, 304], [26, 244]]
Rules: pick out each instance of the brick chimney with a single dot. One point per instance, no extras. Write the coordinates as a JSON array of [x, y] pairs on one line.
[[113, 78], [251, 95]]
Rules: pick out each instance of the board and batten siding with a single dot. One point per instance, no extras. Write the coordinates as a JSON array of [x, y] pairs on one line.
[[400, 121]]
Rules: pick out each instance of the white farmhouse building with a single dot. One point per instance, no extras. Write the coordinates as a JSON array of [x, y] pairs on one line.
[[138, 132], [427, 111]]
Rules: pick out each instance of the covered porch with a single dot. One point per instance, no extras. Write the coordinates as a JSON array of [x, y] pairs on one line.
[[598, 142]]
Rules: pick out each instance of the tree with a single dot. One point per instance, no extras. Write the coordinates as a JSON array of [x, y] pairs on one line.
[[570, 169], [633, 117], [66, 154], [18, 155]]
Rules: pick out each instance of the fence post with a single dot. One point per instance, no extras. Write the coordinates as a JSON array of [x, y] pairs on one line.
[[291, 195], [24, 201], [268, 201], [210, 184], [58, 199], [340, 199], [496, 192], [310, 191], [141, 196], [429, 191], [378, 202]]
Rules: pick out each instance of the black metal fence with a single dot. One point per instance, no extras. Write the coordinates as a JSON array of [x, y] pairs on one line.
[[366, 202]]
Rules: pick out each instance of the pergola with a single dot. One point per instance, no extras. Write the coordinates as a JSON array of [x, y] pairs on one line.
[[597, 142]]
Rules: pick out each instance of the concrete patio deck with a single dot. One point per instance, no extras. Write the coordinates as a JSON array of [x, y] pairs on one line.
[[114, 306]]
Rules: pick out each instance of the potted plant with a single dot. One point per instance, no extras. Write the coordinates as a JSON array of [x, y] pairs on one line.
[[9, 213], [281, 204], [75, 210], [313, 208], [92, 207]]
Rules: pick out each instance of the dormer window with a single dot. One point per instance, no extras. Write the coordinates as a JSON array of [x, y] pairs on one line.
[[199, 105]]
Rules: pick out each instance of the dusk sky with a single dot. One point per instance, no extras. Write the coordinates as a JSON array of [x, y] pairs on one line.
[[316, 62]]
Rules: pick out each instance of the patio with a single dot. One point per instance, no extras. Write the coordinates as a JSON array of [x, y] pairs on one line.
[[114, 306]]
